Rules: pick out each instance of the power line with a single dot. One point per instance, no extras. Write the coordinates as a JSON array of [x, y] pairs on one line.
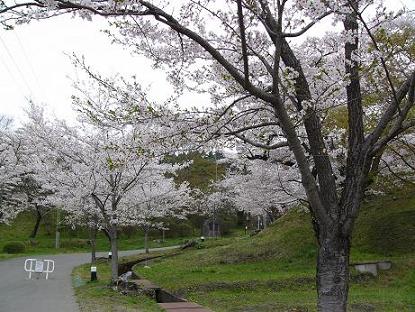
[[17, 67], [13, 77], [29, 63]]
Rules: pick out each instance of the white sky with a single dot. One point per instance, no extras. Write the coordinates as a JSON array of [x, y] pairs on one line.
[[33, 63]]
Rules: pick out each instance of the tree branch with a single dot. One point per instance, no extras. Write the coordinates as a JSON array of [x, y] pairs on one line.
[[306, 28], [399, 126], [243, 42]]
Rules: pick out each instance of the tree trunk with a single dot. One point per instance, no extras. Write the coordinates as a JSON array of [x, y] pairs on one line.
[[146, 241], [37, 224], [57, 239], [333, 272], [107, 235], [93, 239], [57, 230], [114, 249]]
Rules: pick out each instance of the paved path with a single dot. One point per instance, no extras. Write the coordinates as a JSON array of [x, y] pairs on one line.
[[19, 294]]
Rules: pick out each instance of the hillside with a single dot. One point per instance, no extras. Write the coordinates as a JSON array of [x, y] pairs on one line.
[[274, 270]]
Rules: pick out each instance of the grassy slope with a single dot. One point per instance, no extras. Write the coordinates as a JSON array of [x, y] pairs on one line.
[[274, 271], [71, 240]]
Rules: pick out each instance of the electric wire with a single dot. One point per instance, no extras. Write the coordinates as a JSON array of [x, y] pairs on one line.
[[32, 70], [19, 86], [17, 67]]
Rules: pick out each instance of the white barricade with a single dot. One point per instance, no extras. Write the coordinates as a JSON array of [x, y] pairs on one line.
[[38, 266]]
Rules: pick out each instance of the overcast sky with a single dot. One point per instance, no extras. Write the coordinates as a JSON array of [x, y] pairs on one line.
[[34, 64]]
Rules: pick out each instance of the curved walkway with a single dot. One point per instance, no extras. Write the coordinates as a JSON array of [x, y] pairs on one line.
[[19, 294]]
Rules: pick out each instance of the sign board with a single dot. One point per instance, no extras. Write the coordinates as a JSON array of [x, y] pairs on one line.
[[39, 266]]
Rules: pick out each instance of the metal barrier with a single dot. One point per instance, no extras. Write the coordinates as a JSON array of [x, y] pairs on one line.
[[38, 266]]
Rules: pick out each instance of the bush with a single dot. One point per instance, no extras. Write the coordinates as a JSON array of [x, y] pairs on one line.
[[14, 248], [32, 243], [180, 228], [193, 243], [75, 243]]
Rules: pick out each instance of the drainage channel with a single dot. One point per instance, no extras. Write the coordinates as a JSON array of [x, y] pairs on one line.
[[169, 302]]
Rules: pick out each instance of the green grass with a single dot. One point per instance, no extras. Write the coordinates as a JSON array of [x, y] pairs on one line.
[[72, 241], [98, 296], [92, 294], [275, 270]]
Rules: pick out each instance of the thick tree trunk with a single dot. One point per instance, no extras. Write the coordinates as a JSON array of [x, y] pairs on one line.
[[114, 249], [333, 272], [37, 224], [146, 241]]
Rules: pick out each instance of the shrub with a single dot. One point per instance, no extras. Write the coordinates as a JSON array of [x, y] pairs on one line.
[[180, 228], [75, 243], [32, 243], [14, 248], [193, 243]]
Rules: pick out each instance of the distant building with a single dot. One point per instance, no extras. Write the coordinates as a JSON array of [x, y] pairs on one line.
[[212, 228]]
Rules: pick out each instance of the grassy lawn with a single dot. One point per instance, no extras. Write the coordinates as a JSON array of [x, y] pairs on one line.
[[46, 246], [270, 285], [72, 241], [275, 270], [98, 296]]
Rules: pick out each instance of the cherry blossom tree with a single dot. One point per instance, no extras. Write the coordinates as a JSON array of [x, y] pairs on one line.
[[156, 199], [11, 170], [35, 195], [22, 187], [273, 90], [98, 168], [396, 165], [263, 187]]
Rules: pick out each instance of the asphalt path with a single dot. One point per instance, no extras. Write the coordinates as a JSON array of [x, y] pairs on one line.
[[18, 293]]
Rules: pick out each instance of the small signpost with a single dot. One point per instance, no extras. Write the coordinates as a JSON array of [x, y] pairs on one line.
[[39, 267], [93, 273]]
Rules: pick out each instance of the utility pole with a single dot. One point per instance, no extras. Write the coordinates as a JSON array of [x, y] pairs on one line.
[[215, 230], [58, 230]]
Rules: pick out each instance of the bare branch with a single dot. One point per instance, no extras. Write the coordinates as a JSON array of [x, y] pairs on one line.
[[399, 125], [306, 28], [251, 127], [382, 60], [243, 42], [260, 145]]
